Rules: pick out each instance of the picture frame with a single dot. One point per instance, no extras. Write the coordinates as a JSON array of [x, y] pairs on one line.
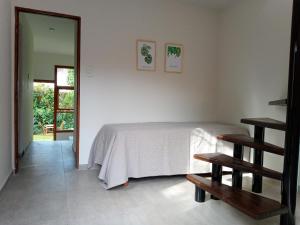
[[173, 58], [145, 55]]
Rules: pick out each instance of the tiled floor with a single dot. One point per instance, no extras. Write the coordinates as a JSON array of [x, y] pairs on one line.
[[48, 191]]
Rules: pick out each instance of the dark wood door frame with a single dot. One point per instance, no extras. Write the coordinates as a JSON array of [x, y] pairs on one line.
[[56, 97], [19, 10], [43, 81]]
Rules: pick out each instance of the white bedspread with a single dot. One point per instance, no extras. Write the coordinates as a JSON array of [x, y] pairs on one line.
[[156, 149]]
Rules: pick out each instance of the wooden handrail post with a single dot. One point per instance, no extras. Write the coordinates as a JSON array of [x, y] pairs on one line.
[[291, 160]]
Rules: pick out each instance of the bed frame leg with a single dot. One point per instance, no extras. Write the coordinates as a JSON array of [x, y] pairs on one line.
[[126, 184]]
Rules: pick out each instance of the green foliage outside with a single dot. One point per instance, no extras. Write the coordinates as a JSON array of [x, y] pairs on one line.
[[65, 121], [71, 77], [43, 106], [66, 99], [145, 51], [172, 50]]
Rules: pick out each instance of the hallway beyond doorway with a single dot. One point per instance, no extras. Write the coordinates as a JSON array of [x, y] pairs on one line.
[[48, 157]]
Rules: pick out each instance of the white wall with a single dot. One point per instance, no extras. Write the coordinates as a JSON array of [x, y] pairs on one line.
[[254, 40], [112, 91], [5, 93], [43, 64], [25, 86]]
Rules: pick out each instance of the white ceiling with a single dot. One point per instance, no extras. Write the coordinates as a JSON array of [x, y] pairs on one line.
[[60, 41], [214, 4]]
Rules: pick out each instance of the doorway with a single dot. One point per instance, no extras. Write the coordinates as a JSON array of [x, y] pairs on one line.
[[29, 68]]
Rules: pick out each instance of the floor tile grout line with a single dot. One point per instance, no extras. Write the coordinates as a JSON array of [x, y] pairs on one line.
[[65, 185]]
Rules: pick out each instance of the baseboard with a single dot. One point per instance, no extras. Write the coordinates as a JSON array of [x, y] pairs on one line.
[[2, 185], [86, 167], [21, 155]]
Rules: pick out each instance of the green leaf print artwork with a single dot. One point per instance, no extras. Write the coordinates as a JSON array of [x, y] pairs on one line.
[[145, 51], [173, 58], [172, 50]]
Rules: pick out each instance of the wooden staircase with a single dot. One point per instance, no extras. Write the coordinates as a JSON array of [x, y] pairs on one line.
[[238, 164], [251, 204]]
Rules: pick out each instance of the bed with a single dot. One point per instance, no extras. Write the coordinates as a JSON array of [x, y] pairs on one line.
[[156, 149]]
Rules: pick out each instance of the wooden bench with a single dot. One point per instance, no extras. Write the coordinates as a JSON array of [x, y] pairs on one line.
[[49, 128]]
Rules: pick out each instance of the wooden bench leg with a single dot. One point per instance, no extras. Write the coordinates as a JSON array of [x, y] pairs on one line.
[[199, 194], [237, 176], [216, 176]]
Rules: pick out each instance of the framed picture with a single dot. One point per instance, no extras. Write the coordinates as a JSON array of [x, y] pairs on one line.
[[146, 55], [173, 58]]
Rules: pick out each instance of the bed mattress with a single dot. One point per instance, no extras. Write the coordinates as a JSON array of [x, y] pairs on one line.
[[156, 149]]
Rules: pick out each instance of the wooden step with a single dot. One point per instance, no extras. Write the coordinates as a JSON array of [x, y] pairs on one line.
[[281, 102], [234, 163], [245, 140], [253, 205], [265, 122]]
